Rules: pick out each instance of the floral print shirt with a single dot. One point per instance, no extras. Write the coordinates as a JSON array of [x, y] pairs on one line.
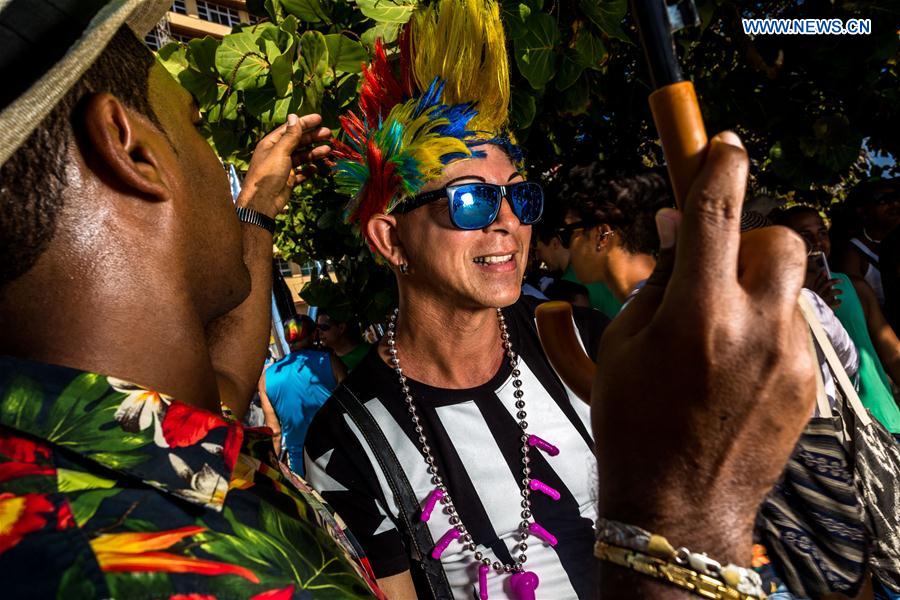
[[109, 490]]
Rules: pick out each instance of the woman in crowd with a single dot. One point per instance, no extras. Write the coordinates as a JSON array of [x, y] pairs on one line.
[[857, 308], [871, 213]]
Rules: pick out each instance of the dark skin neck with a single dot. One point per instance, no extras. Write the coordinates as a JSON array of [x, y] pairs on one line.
[[135, 323], [626, 270]]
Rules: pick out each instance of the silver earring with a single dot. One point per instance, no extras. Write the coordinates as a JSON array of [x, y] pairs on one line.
[[404, 269]]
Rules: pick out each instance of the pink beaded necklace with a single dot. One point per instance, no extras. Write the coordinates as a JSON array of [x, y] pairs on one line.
[[522, 583]]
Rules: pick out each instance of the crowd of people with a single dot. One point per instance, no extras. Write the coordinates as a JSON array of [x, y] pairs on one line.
[[738, 443]]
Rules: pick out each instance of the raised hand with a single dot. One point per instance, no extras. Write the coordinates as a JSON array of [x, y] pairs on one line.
[[826, 288], [706, 380], [280, 161]]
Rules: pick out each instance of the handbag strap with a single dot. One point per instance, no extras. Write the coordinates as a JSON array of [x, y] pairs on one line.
[[822, 403], [408, 508], [841, 378]]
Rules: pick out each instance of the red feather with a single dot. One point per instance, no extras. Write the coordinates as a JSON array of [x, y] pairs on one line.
[[380, 91], [406, 59], [378, 191]]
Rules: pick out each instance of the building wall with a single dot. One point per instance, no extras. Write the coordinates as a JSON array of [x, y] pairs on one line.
[[189, 19]]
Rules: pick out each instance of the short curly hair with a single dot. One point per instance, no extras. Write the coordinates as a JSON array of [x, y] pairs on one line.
[[628, 204], [33, 180]]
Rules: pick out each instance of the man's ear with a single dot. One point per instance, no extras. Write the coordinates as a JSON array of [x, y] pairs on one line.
[[381, 231], [123, 148]]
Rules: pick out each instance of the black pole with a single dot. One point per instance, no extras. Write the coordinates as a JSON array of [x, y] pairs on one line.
[[652, 20]]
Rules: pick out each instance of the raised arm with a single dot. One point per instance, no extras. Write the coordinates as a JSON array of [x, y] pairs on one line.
[[237, 341], [705, 381]]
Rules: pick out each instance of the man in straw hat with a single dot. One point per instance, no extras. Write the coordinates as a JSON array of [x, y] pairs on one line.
[[113, 205]]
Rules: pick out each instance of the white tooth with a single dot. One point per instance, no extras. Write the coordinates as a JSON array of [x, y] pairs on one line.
[[493, 259]]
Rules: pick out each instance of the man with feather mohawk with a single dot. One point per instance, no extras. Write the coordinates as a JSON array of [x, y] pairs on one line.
[[437, 194], [412, 126], [400, 142], [453, 451]]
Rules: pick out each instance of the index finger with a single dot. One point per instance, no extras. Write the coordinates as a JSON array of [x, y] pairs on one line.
[[709, 236]]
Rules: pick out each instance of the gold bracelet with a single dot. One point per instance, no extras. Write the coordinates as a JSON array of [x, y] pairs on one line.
[[675, 574]]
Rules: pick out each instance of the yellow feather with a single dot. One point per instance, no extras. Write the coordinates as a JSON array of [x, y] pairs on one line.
[[463, 43]]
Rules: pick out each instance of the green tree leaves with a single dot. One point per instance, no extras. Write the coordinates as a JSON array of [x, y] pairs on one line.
[[241, 61], [535, 50], [345, 54], [388, 11], [579, 89], [607, 15]]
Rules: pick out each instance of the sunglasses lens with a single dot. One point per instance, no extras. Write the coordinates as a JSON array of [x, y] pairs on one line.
[[527, 201], [474, 206]]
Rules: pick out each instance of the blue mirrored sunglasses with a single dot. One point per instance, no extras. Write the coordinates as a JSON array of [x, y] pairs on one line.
[[476, 205]]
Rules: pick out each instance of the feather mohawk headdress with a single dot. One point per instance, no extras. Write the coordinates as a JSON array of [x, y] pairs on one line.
[[452, 93]]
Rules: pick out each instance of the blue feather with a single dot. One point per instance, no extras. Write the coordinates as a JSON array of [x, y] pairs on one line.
[[431, 97]]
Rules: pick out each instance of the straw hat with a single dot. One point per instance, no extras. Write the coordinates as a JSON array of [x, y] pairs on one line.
[[45, 48]]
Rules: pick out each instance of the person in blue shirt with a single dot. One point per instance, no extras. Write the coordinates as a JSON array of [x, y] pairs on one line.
[[294, 388]]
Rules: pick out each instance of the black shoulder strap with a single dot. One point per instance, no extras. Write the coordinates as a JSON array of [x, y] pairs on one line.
[[431, 572]]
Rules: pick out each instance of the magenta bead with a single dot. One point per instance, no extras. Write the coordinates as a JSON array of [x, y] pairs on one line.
[[523, 585], [482, 581], [433, 498], [542, 444], [539, 486], [539, 532], [442, 544]]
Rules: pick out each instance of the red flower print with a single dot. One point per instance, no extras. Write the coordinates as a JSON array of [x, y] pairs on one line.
[[184, 425], [14, 470], [19, 516], [64, 518], [282, 594], [233, 442], [24, 458], [22, 450], [133, 552]]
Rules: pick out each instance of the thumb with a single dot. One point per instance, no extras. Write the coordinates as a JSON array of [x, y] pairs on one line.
[[667, 222], [291, 138]]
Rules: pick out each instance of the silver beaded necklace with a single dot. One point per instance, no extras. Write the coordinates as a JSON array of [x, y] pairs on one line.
[[522, 582]]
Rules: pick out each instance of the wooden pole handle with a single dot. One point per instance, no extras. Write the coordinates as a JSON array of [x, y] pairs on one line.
[[676, 114], [558, 336]]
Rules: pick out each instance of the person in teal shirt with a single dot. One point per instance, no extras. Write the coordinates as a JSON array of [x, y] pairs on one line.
[[553, 251], [855, 305]]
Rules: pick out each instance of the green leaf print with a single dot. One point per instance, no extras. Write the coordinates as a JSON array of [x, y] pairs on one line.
[[74, 585], [85, 504], [22, 403]]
